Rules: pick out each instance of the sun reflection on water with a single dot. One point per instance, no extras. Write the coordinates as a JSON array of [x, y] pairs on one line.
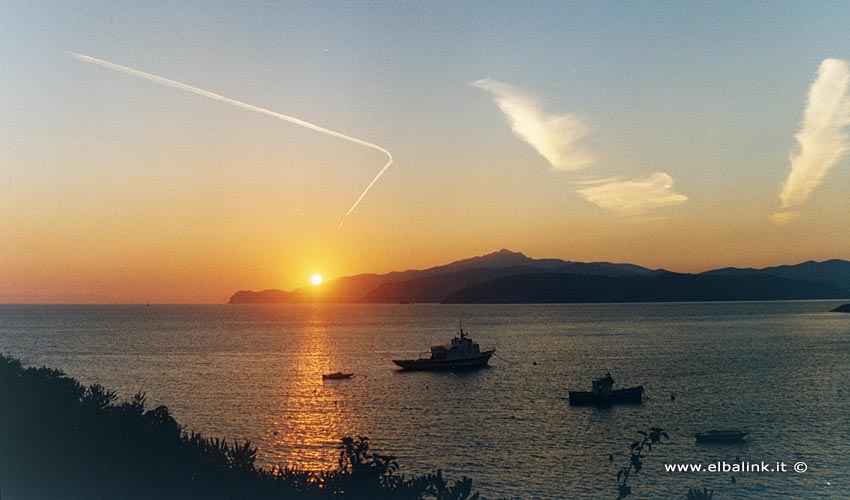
[[313, 414]]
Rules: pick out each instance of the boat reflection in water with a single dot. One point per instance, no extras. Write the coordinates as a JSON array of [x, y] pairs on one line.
[[461, 354]]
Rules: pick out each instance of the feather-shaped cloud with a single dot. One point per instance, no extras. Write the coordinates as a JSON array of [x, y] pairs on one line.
[[822, 137], [633, 197], [556, 137]]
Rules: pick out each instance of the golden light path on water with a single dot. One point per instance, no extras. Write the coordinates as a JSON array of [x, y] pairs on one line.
[[313, 415]]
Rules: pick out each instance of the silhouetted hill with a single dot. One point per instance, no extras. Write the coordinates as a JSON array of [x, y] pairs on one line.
[[364, 287], [829, 279], [845, 308], [667, 287], [437, 288], [346, 289], [835, 272], [265, 297]]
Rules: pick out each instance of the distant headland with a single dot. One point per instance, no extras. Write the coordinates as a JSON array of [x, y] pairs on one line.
[[507, 277]]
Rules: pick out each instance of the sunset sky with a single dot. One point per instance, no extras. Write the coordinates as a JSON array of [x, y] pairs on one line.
[[657, 133]]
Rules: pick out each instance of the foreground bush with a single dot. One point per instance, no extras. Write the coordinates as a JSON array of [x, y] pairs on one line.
[[60, 440]]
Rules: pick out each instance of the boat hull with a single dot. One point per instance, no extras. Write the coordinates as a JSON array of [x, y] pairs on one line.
[[721, 437], [632, 395], [471, 363]]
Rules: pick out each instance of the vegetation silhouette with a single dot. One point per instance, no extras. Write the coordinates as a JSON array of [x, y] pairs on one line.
[[636, 456], [59, 439], [637, 453], [695, 494]]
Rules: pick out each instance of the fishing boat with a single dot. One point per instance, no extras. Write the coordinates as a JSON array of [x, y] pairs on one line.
[[721, 436], [602, 393], [336, 376], [462, 353]]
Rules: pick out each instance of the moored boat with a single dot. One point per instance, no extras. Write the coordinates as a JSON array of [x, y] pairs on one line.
[[602, 393], [462, 353], [721, 436], [336, 376]]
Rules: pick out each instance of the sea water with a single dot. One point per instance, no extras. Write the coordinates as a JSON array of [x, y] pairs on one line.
[[778, 369]]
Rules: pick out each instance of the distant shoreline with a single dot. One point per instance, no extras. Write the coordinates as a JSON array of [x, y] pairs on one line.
[[390, 304], [506, 277]]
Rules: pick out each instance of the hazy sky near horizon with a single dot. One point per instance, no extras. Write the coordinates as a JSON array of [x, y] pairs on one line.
[[657, 133]]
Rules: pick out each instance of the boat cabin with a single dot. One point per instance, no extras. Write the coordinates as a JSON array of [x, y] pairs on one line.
[[603, 386], [461, 347], [602, 392]]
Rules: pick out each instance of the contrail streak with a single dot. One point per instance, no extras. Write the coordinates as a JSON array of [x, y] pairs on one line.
[[249, 107]]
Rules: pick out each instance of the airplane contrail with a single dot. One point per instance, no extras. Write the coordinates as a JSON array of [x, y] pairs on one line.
[[249, 107]]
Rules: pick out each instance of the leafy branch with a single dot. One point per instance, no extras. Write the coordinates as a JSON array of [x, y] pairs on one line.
[[636, 456]]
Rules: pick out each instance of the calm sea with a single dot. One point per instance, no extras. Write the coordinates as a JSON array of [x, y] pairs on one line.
[[778, 369]]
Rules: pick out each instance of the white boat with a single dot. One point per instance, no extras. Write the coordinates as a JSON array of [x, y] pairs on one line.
[[462, 353]]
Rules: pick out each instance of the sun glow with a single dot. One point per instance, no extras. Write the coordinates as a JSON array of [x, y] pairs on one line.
[[316, 279]]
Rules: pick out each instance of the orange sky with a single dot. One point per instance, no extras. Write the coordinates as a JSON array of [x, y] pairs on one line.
[[572, 135]]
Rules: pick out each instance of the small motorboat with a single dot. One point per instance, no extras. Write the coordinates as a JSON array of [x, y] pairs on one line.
[[461, 354], [721, 436], [603, 394], [336, 376]]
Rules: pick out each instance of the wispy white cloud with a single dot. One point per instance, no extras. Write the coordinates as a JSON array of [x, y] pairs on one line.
[[633, 197], [782, 218], [822, 137], [556, 137]]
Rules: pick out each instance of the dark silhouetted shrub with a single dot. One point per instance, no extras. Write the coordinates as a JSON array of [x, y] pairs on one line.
[[61, 440]]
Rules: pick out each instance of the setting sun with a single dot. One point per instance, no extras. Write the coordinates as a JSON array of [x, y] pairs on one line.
[[316, 279]]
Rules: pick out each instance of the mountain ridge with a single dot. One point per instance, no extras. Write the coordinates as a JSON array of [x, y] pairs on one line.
[[440, 283], [668, 287]]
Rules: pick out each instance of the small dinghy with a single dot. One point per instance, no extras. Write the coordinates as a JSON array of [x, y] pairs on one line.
[[336, 376], [723, 436]]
